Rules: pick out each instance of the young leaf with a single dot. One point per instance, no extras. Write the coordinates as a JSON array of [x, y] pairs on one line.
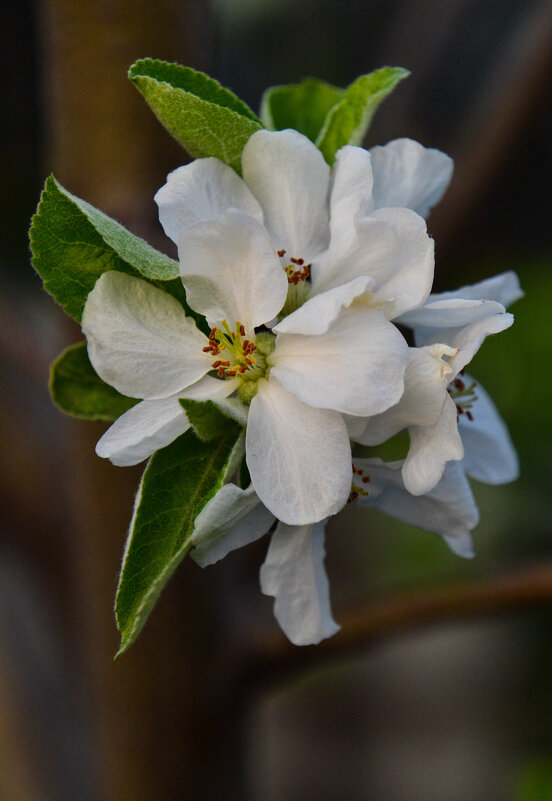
[[78, 390], [205, 418], [73, 244], [348, 121], [176, 485], [203, 116], [303, 106]]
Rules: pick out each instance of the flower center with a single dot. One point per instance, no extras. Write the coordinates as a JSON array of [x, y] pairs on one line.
[[242, 357], [298, 275], [235, 348], [463, 396], [358, 479]]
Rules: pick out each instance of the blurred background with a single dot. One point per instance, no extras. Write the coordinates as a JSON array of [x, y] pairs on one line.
[[454, 711]]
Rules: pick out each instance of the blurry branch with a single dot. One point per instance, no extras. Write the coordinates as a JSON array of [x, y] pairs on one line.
[[274, 659]]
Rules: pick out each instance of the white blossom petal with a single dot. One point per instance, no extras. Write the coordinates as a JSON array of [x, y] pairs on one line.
[[139, 338], [356, 367], [299, 458], [503, 288], [425, 382], [351, 186], [410, 175], [489, 455], [153, 424], [144, 429], [449, 509], [293, 573], [448, 313], [202, 191], [233, 518], [290, 179], [431, 447], [231, 271], [392, 247], [469, 339]]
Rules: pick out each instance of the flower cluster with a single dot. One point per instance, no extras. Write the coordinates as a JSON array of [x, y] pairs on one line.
[[324, 339]]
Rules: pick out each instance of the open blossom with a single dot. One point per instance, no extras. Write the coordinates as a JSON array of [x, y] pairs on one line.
[[448, 416], [297, 446], [289, 249], [328, 228]]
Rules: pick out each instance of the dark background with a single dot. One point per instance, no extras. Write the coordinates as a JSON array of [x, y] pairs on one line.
[[453, 712]]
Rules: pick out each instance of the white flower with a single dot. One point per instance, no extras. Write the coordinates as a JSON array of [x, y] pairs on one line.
[[297, 447], [449, 416], [328, 229]]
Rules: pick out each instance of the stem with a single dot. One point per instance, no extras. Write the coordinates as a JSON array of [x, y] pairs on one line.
[[275, 659]]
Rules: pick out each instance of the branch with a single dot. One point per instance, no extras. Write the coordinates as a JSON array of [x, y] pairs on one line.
[[274, 659]]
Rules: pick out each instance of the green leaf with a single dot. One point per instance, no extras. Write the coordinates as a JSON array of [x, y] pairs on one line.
[[303, 106], [348, 121], [203, 116], [177, 483], [73, 244], [78, 390], [206, 418]]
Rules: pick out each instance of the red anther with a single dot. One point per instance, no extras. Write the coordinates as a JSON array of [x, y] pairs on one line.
[[220, 372], [242, 331], [366, 479], [469, 415], [249, 361], [294, 261], [243, 368], [300, 261], [459, 384], [353, 496], [281, 253], [459, 409], [220, 362], [212, 333]]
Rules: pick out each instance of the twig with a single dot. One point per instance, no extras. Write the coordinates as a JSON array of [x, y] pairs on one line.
[[274, 659]]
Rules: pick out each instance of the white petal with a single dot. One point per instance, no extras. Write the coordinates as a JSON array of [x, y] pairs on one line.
[[201, 191], [448, 509], [425, 384], [489, 455], [351, 186], [139, 338], [293, 573], [448, 313], [299, 458], [392, 247], [233, 518], [356, 367], [318, 313], [469, 339], [430, 449], [231, 271], [144, 429], [503, 288], [289, 177], [408, 174], [153, 424]]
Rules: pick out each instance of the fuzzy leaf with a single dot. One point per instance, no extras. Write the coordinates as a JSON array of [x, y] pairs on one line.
[[176, 485], [203, 116], [78, 390], [73, 244], [303, 106], [205, 418], [348, 121]]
